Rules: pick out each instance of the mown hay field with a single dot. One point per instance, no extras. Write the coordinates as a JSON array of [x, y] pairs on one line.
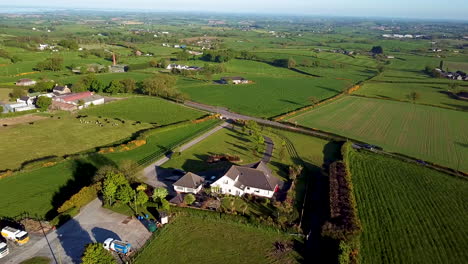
[[145, 109], [429, 133], [409, 213], [433, 94]]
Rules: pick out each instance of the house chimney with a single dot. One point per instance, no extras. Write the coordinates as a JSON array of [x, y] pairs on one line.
[[113, 59]]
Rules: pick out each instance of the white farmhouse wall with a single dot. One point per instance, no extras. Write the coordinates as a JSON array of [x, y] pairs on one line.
[[181, 189]]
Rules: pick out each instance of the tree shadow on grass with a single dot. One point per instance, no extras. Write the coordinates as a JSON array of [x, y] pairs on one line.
[[83, 172], [317, 210]]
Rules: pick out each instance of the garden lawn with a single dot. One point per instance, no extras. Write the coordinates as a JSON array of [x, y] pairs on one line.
[[225, 142], [429, 133], [198, 240], [145, 109], [58, 135], [433, 94], [34, 192], [409, 213]]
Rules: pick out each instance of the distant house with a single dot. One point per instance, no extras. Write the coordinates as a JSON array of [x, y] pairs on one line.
[[182, 67], [61, 90], [256, 179], [25, 82], [76, 101], [195, 53], [118, 68], [189, 183], [18, 107], [138, 53], [28, 100], [234, 80]]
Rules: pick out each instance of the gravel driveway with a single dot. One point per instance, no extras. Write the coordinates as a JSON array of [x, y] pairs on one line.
[[92, 224]]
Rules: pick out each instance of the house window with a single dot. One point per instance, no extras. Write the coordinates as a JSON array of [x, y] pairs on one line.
[[248, 188], [257, 191], [229, 190], [179, 188], [226, 182]]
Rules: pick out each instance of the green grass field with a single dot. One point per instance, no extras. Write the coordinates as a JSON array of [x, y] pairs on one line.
[[145, 109], [4, 94], [429, 133], [53, 136], [274, 91], [34, 191], [225, 141], [199, 240], [409, 213], [433, 94]]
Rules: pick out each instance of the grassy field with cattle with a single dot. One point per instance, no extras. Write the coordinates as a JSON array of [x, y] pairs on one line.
[[429, 133], [48, 187], [409, 213]]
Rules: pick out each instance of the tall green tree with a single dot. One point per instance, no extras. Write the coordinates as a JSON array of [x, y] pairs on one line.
[[128, 85], [124, 193], [16, 93], [159, 194], [44, 102], [159, 85], [95, 253], [114, 87], [43, 86]]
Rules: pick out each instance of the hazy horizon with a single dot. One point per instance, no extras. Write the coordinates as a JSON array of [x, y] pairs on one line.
[[418, 9]]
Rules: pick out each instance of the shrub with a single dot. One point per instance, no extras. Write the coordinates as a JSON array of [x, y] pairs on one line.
[[189, 199], [64, 217], [80, 199]]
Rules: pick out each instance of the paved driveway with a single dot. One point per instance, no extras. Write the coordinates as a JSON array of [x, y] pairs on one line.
[[93, 224]]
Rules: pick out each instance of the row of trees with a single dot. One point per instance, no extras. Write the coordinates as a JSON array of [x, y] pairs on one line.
[[50, 64]]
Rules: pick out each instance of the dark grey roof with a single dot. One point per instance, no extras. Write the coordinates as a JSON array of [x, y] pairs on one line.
[[189, 180], [59, 88], [235, 78], [256, 175], [25, 97]]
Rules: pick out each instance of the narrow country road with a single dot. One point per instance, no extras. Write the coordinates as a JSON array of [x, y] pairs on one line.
[[230, 115], [150, 173]]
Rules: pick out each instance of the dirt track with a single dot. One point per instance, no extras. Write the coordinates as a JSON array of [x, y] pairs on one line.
[[20, 120]]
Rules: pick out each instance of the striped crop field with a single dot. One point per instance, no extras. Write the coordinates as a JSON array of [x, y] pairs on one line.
[[409, 213], [429, 133]]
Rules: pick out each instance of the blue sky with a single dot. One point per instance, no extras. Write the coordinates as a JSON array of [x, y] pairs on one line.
[[454, 9]]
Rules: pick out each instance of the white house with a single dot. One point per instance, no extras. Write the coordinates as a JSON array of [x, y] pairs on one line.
[[77, 100], [18, 107], [60, 90], [28, 100], [177, 66], [189, 183], [255, 179], [234, 80], [25, 82]]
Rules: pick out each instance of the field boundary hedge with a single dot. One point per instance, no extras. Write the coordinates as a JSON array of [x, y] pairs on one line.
[[406, 101], [129, 143], [322, 102], [344, 225]]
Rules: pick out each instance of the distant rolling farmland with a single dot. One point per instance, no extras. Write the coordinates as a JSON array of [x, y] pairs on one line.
[[430, 133]]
